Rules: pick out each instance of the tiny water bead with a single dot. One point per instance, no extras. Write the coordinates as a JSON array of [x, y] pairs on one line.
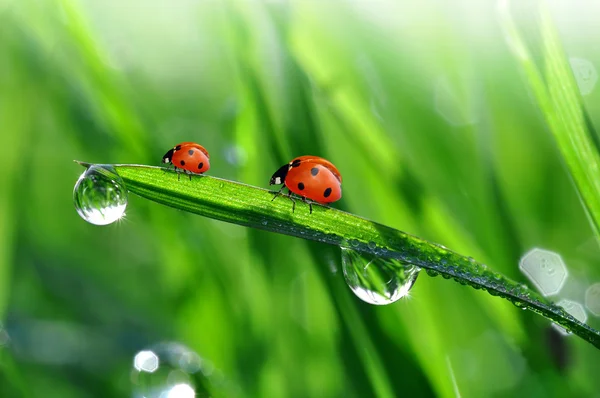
[[100, 196], [376, 280]]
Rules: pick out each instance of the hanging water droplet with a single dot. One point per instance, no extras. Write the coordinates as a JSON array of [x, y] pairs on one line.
[[100, 196], [376, 280], [519, 304]]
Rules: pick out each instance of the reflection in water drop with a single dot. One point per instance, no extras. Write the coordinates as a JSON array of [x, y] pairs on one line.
[[376, 280], [100, 196]]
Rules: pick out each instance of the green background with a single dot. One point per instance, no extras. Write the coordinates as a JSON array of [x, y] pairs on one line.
[[421, 106]]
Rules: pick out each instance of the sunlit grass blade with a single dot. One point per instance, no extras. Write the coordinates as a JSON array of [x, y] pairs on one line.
[[250, 206], [558, 97]]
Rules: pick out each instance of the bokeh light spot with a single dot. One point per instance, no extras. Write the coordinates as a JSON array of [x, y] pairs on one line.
[[181, 391], [4, 338], [573, 308], [545, 269], [585, 74], [592, 299], [146, 361], [190, 362], [236, 155]]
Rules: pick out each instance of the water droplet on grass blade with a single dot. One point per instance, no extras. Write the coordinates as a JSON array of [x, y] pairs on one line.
[[100, 196], [377, 280]]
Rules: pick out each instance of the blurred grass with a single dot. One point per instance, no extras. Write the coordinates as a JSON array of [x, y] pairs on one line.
[[423, 109], [559, 99]]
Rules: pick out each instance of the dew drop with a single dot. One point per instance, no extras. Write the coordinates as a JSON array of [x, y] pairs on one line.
[[376, 280], [100, 196], [520, 304]]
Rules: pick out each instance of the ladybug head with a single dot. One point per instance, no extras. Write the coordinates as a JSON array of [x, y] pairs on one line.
[[168, 156], [279, 176]]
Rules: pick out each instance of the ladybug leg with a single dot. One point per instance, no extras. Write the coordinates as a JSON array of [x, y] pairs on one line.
[[289, 195], [278, 192], [308, 202], [178, 172]]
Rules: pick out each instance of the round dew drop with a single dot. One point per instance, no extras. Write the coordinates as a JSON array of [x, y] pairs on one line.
[[100, 196]]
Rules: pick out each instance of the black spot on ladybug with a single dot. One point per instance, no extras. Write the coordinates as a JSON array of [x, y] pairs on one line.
[[296, 163], [191, 152], [327, 192], [300, 186], [182, 162], [178, 147], [314, 171], [200, 165]]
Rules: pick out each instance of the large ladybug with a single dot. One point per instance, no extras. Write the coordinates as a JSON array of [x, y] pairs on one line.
[[310, 177], [188, 156]]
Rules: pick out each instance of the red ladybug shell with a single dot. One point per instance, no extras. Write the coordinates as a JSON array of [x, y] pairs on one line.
[[188, 156], [312, 177]]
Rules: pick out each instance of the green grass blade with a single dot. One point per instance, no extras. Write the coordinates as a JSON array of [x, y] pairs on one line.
[[558, 97], [250, 206]]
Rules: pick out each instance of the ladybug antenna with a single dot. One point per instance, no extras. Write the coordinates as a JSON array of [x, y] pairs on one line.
[[279, 176]]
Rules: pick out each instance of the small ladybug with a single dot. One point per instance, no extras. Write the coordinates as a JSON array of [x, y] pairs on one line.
[[309, 177], [188, 156]]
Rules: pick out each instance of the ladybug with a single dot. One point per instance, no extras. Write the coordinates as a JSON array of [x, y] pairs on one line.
[[309, 177], [188, 156]]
